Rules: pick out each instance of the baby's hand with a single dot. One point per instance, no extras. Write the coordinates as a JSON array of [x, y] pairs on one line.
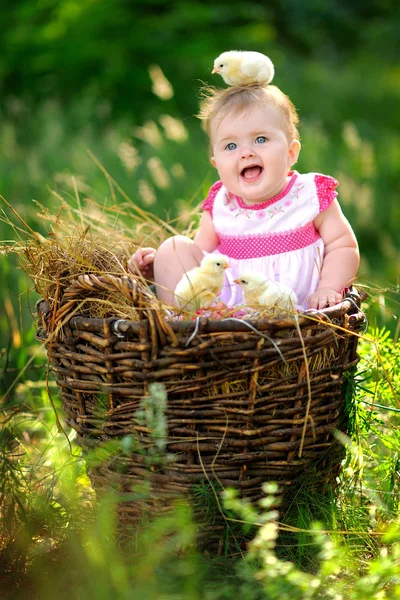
[[324, 297], [142, 261]]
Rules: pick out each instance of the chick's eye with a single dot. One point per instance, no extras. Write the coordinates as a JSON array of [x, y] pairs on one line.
[[261, 139], [230, 146], [221, 65], [218, 264]]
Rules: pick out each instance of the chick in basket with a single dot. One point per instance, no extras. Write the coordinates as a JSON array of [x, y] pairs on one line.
[[265, 295], [200, 287]]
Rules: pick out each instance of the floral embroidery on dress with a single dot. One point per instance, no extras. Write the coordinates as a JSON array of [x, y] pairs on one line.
[[294, 194], [228, 199], [231, 203]]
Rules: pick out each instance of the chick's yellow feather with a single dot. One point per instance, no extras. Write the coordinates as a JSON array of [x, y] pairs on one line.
[[200, 286], [242, 68], [260, 293]]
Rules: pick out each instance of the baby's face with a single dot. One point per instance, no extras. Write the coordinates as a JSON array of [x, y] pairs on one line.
[[252, 153]]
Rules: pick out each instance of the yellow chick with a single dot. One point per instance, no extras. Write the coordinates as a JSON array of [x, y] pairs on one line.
[[260, 292], [241, 68], [200, 286]]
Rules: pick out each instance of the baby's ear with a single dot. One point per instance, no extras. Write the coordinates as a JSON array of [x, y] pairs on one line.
[[294, 151], [212, 161]]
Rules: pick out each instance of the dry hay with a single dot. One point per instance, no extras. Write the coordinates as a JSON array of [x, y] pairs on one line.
[[89, 239], [53, 263]]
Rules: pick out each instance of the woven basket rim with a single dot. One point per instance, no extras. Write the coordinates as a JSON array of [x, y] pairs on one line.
[[349, 306]]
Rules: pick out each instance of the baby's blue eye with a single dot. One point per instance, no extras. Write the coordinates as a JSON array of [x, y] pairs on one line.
[[261, 139], [230, 146]]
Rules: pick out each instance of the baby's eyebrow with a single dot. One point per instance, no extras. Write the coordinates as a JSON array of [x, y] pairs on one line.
[[228, 138], [255, 133]]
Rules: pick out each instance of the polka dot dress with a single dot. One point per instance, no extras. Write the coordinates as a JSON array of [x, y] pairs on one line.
[[276, 237]]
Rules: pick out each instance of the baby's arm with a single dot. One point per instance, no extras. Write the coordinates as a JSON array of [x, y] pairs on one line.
[[206, 237], [341, 257]]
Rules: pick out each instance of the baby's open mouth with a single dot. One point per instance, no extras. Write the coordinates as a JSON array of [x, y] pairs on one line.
[[251, 173]]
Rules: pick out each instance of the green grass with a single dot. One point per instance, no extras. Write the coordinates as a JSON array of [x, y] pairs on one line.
[[56, 540]]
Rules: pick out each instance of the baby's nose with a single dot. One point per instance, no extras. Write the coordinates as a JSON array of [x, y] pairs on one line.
[[247, 153]]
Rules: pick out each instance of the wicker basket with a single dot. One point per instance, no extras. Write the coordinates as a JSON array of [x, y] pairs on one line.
[[247, 401]]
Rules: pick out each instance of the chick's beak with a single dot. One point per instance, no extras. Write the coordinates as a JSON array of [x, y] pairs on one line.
[[215, 70], [236, 281], [226, 266]]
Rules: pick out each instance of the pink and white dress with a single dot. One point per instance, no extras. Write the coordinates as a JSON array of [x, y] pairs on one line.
[[276, 237]]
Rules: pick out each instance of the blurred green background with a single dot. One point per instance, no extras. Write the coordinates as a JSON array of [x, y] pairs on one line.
[[122, 80], [116, 83]]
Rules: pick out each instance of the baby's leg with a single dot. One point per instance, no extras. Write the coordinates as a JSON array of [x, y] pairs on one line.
[[175, 256]]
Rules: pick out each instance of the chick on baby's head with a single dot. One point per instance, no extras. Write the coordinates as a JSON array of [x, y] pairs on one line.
[[214, 263], [238, 67], [222, 63], [250, 281]]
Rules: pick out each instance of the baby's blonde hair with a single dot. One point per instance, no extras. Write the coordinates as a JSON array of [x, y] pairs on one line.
[[218, 102]]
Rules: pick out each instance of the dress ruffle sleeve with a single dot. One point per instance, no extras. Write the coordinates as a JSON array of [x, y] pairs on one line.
[[208, 203], [326, 190]]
